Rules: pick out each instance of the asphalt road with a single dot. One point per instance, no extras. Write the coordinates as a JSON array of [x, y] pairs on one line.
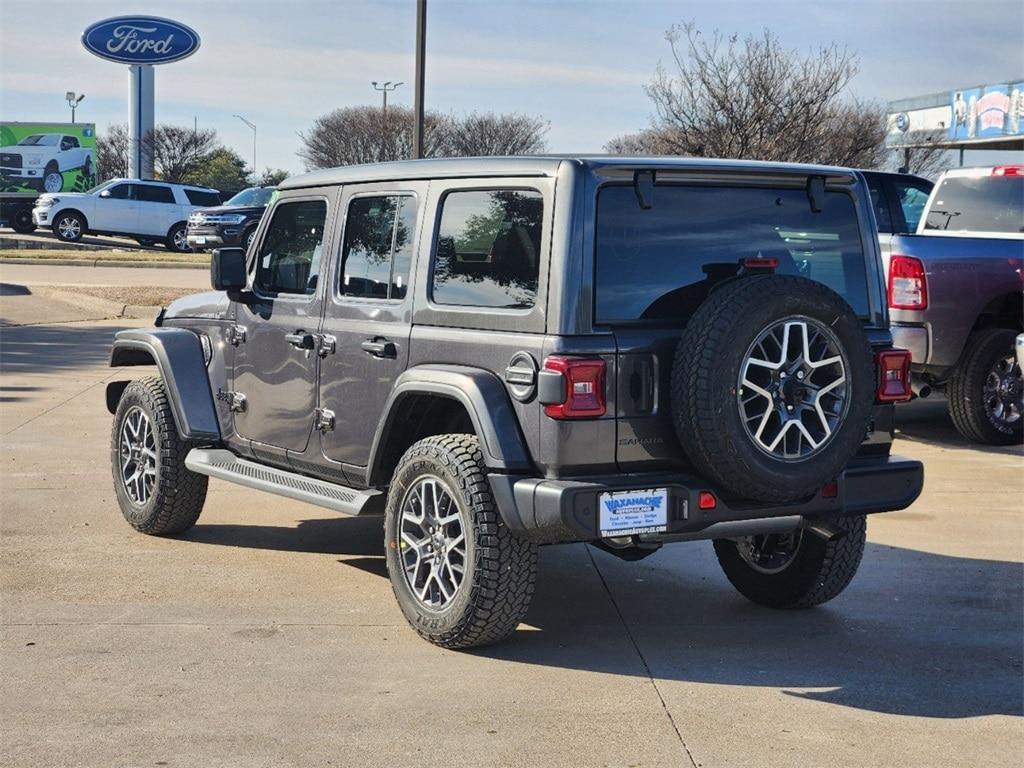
[[268, 635]]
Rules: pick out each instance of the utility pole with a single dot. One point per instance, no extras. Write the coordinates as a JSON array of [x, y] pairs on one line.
[[385, 89], [421, 52], [255, 175], [73, 102]]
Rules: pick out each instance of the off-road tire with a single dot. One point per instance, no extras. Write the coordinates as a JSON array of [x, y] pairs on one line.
[[965, 389], [178, 493], [705, 372], [818, 572], [501, 567]]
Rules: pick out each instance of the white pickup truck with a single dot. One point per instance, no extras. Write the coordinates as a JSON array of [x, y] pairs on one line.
[[43, 158]]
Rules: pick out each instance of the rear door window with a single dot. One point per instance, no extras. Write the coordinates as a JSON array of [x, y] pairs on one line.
[[153, 193], [379, 235], [659, 264], [289, 256], [487, 252]]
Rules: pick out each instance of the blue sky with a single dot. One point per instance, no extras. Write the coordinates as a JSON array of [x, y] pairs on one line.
[[580, 65]]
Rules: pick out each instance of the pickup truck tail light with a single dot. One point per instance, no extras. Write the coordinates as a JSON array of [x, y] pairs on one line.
[[908, 288], [583, 391], [893, 367]]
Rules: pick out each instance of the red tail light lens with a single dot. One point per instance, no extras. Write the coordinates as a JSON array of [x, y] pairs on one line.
[[893, 376], [706, 500], [907, 286], [584, 387]]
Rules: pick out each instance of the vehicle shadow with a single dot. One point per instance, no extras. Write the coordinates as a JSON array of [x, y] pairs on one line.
[[55, 348], [928, 421], [915, 634]]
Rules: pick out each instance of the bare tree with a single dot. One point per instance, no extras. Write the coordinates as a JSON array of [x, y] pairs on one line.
[[752, 98], [112, 151], [178, 151], [354, 135], [924, 158]]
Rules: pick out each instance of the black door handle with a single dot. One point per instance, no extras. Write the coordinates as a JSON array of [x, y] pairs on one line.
[[380, 348], [300, 339]]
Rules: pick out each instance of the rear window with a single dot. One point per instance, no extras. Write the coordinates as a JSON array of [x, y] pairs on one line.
[[978, 204], [201, 197], [659, 264]]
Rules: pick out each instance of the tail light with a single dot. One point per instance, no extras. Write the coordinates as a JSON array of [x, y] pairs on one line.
[[893, 376], [907, 286], [1008, 170], [583, 390]]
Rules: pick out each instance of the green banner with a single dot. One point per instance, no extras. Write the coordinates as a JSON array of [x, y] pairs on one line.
[[47, 157]]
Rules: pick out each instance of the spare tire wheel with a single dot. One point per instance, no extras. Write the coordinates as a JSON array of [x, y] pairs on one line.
[[772, 387]]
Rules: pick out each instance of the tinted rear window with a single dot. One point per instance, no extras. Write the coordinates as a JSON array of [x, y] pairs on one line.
[[659, 264], [980, 204], [199, 197]]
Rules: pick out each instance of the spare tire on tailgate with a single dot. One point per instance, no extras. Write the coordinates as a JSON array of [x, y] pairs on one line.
[[773, 385]]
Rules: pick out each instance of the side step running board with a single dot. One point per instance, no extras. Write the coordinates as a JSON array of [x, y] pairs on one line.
[[224, 465]]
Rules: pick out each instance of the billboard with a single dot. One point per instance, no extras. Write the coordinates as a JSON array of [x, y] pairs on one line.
[[47, 157], [987, 112]]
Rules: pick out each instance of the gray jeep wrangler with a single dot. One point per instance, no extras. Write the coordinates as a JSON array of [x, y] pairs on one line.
[[497, 354]]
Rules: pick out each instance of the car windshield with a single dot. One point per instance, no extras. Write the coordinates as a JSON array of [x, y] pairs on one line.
[[252, 196], [40, 140], [978, 204]]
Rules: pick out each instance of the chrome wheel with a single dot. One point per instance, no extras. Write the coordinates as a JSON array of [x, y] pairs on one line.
[[432, 543], [771, 553], [137, 451], [69, 227], [1003, 392], [180, 238], [793, 391], [54, 182]]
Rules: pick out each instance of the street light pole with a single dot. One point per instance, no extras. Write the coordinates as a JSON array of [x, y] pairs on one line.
[[421, 52], [255, 177], [73, 102], [385, 89]]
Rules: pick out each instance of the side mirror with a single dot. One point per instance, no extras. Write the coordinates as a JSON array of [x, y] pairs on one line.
[[227, 269], [105, 193]]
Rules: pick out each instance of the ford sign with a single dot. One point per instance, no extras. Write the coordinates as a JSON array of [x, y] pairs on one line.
[[140, 40]]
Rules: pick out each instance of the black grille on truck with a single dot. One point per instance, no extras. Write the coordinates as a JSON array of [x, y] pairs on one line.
[[9, 160]]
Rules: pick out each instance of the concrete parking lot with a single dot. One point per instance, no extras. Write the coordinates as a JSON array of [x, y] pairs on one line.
[[268, 635]]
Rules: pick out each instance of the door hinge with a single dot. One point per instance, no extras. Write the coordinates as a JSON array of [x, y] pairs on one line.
[[326, 344], [235, 400], [235, 334], [324, 421]]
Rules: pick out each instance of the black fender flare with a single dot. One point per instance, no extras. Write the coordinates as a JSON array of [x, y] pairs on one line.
[[178, 354], [485, 399]]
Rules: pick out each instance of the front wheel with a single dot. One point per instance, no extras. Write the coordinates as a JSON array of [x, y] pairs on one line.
[[799, 569], [177, 239], [53, 179], [157, 494], [461, 577], [986, 391], [69, 227]]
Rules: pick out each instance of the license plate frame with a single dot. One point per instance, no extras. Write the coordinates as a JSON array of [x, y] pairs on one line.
[[630, 513]]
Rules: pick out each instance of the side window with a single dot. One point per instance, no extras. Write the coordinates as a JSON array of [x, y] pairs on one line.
[[488, 248], [912, 197], [880, 203], [121, 191], [202, 197], [153, 193], [68, 142], [379, 238], [289, 257]]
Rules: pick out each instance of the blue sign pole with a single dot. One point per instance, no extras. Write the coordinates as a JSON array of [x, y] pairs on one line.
[[141, 124]]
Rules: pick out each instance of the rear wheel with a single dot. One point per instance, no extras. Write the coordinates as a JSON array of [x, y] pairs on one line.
[[799, 569], [177, 238], [21, 220], [986, 391], [462, 579]]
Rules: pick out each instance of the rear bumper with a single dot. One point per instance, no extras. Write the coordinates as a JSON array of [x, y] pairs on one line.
[[551, 511]]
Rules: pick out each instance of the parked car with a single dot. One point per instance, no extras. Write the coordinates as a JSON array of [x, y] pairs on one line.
[[898, 200], [43, 158], [149, 211], [233, 223], [955, 299], [500, 353]]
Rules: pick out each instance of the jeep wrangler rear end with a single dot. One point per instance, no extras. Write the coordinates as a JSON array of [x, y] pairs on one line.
[[498, 354]]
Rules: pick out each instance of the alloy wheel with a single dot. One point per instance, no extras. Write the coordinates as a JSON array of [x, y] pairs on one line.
[[181, 239], [432, 543], [137, 451], [1003, 392], [770, 553], [69, 227], [793, 389], [54, 182]]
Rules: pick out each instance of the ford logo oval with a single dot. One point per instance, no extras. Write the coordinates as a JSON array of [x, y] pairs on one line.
[[140, 40]]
